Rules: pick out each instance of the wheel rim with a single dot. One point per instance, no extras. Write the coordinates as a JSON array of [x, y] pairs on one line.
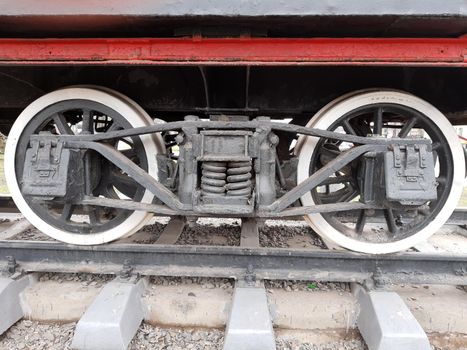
[[116, 223], [354, 236]]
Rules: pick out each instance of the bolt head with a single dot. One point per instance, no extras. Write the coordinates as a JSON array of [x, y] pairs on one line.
[[273, 138]]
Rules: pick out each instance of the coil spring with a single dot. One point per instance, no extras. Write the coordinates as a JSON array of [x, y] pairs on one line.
[[213, 178], [221, 178], [239, 179]]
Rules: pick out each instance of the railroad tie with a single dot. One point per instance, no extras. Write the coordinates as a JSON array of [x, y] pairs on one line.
[[250, 325]]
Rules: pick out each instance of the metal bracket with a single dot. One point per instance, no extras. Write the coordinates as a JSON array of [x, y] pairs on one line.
[[50, 170], [409, 174], [250, 276], [379, 280], [11, 265], [126, 273], [185, 200], [461, 271], [11, 268]]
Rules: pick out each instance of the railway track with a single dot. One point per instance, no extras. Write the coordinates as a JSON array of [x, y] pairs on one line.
[[354, 126], [237, 262], [249, 260], [248, 264]]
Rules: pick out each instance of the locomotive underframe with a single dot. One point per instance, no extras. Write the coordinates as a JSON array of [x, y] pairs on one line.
[[172, 77], [50, 165]]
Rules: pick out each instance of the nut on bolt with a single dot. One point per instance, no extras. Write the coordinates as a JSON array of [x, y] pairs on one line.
[[11, 264], [127, 270], [273, 138], [179, 138]]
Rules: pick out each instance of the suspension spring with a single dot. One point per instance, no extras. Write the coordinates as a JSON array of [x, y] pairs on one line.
[[239, 179], [213, 178]]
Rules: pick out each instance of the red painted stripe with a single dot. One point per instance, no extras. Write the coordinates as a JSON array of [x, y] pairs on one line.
[[236, 51]]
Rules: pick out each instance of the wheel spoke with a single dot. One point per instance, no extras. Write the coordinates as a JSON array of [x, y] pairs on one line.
[[378, 121], [347, 197], [123, 183], [435, 158], [129, 153], [441, 180], [361, 221], [348, 128], [391, 221], [67, 212], [435, 146], [408, 126], [128, 142], [424, 211], [94, 215], [336, 180], [113, 127], [62, 125], [109, 192], [87, 126]]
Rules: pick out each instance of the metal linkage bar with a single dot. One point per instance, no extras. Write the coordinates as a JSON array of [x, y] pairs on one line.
[[458, 217], [237, 51], [171, 200], [322, 174], [173, 203], [138, 174], [318, 208], [166, 211], [214, 261], [296, 129], [130, 205]]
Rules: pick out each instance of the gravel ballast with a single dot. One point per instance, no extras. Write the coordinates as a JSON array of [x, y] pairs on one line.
[[217, 232], [32, 335]]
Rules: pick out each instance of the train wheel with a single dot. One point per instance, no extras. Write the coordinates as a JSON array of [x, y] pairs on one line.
[[390, 114], [90, 110], [156, 138]]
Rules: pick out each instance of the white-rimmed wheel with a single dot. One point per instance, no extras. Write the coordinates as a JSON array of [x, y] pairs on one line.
[[388, 114], [77, 110]]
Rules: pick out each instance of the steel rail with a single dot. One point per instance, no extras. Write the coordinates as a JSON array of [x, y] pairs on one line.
[[235, 262]]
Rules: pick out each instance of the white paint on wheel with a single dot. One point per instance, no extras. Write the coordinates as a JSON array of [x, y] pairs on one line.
[[131, 224], [333, 111]]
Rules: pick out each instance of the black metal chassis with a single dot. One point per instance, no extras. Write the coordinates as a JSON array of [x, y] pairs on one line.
[[172, 206]]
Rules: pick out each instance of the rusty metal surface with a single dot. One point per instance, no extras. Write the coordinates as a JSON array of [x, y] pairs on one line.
[[235, 262], [237, 51], [91, 18]]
